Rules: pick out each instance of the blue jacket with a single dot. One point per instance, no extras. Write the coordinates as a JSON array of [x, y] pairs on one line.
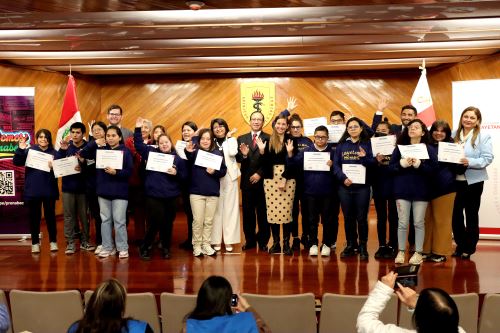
[[479, 158], [73, 183], [37, 183], [160, 184], [414, 184], [347, 153], [243, 322], [383, 179], [111, 186], [133, 326], [203, 183], [316, 183]]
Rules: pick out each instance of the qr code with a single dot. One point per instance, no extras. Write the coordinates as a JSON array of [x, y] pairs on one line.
[[7, 185]]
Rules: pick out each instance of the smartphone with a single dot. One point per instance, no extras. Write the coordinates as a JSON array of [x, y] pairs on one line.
[[234, 300], [407, 275]]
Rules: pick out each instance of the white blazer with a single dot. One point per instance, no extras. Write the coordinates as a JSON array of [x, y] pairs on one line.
[[230, 149]]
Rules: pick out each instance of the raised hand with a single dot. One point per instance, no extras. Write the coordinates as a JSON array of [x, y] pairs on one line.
[[244, 149], [389, 279], [407, 296], [382, 103], [139, 121], [231, 132], [291, 103], [64, 143], [261, 144], [22, 143], [362, 152], [190, 147], [289, 147], [91, 123], [100, 142]]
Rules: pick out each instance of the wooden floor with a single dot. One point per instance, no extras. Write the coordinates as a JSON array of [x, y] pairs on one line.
[[250, 271]]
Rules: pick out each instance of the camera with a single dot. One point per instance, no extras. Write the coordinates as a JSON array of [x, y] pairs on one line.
[[234, 300], [407, 275]]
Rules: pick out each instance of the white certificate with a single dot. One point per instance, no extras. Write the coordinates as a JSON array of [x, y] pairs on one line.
[[450, 152], [109, 158], [418, 151], [208, 160], [159, 162], [38, 160], [335, 132], [355, 172], [311, 124], [383, 145], [65, 166], [179, 147], [316, 161]]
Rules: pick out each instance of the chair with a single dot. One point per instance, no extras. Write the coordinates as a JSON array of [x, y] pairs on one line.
[[52, 311], [286, 314], [3, 300], [173, 310], [467, 305], [489, 322], [141, 306], [339, 313]]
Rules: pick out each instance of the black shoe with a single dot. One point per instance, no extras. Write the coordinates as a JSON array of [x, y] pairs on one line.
[[466, 256], [363, 253], [276, 248], [349, 251], [286, 249], [186, 245], [248, 247], [144, 253], [457, 253], [166, 253], [263, 248], [390, 253], [438, 258], [305, 241], [296, 244], [382, 250]]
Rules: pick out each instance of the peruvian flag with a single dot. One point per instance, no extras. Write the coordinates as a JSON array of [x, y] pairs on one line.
[[422, 99], [70, 113]]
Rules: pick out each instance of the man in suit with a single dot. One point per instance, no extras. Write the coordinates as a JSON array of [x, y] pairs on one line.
[[408, 113], [251, 184]]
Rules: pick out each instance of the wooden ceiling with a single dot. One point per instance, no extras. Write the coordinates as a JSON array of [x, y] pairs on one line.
[[102, 37]]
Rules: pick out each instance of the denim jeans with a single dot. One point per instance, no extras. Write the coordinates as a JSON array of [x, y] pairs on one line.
[[113, 212], [355, 202], [418, 208]]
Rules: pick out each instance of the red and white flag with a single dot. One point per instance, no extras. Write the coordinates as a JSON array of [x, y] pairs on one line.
[[422, 99], [70, 113]]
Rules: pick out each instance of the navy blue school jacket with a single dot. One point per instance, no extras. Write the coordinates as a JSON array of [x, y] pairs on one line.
[[347, 153], [203, 183], [73, 183]]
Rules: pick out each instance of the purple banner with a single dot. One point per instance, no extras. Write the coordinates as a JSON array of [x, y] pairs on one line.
[[16, 121]]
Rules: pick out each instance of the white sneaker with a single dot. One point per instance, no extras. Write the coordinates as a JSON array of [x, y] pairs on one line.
[[400, 258], [197, 251], [334, 246], [53, 246], [35, 248], [325, 250], [416, 259], [123, 254], [217, 247], [105, 253], [207, 250], [98, 249], [313, 250], [229, 248], [70, 249]]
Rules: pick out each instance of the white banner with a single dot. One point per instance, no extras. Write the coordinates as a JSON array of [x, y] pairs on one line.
[[483, 94]]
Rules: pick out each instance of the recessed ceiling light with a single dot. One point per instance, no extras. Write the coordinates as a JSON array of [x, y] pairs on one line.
[[195, 5]]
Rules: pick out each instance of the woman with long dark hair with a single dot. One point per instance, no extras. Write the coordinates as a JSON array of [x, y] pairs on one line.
[[478, 155], [214, 311]]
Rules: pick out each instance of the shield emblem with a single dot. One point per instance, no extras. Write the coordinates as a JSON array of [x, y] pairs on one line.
[[258, 96]]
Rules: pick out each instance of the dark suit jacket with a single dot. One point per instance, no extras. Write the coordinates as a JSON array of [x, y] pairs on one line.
[[251, 164], [393, 129]]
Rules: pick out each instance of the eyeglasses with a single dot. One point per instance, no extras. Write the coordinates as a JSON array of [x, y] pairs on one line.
[[320, 137], [353, 127], [115, 114], [295, 127], [336, 121]]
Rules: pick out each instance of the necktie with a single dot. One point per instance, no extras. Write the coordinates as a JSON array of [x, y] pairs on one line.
[[254, 140]]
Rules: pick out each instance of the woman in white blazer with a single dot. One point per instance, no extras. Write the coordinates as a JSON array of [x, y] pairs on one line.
[[478, 151], [226, 223]]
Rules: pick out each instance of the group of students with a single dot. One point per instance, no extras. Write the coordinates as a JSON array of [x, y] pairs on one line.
[[274, 187]]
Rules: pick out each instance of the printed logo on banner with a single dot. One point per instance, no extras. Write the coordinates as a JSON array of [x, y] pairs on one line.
[[9, 141], [258, 96], [7, 183]]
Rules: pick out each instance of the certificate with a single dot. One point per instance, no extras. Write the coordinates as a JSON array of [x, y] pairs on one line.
[[311, 124], [38, 160], [208, 160], [316, 161], [450, 152], [355, 172], [335, 132], [65, 166], [418, 150], [179, 147], [383, 145], [109, 158], [159, 162]]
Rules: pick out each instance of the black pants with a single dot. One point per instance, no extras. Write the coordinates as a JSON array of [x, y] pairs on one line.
[[94, 213], [35, 217], [186, 205], [299, 206], [468, 198], [161, 215], [319, 206], [386, 208], [287, 231], [254, 211]]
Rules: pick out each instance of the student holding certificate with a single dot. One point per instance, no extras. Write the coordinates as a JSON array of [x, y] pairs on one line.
[[353, 157], [478, 155], [279, 183], [112, 189], [40, 189], [412, 188], [204, 192], [188, 129], [162, 189], [227, 216]]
